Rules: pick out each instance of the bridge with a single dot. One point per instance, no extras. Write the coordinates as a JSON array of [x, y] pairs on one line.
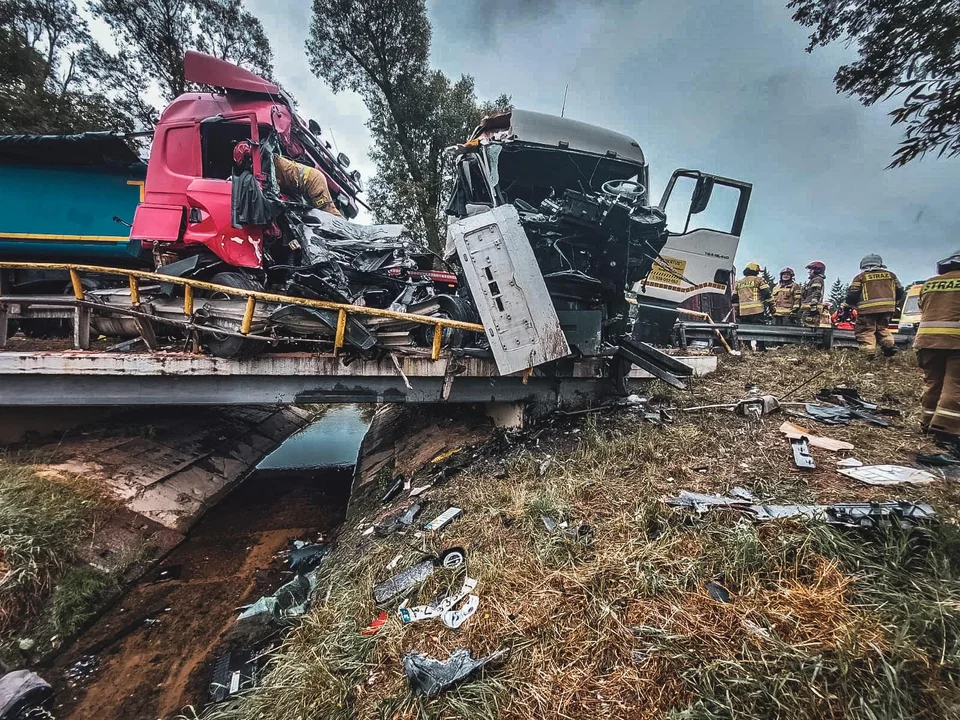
[[78, 378]]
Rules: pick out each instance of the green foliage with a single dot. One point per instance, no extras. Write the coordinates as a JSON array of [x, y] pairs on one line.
[[153, 35], [768, 277], [78, 594], [838, 293], [907, 49], [50, 81], [41, 525], [381, 50]]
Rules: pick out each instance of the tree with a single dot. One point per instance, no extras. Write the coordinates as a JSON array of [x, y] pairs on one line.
[[153, 35], [908, 49], [380, 49], [838, 292], [49, 83], [767, 277]]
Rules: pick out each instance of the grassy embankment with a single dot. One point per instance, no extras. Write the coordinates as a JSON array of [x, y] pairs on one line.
[[822, 623], [45, 591]]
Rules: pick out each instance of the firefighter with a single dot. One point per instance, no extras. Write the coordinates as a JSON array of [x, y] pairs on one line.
[[844, 318], [307, 182], [938, 349], [875, 293], [812, 297], [751, 295], [826, 317], [786, 298]]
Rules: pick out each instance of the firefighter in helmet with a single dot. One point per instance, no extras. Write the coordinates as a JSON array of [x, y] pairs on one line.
[[826, 315], [751, 295], [786, 298], [875, 293], [812, 297], [938, 350]]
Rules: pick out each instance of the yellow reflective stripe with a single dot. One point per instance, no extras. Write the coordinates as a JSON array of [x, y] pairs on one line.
[[953, 332], [750, 306], [949, 285], [886, 302], [71, 238], [929, 412], [940, 323]]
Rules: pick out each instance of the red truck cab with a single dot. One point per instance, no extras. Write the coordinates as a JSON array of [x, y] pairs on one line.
[[187, 197]]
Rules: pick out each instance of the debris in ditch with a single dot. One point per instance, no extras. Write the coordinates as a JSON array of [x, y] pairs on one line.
[[744, 494], [396, 561], [801, 454], [405, 580], [376, 625], [757, 407], [937, 460], [795, 432], [443, 519], [440, 609], [718, 592], [232, 672], [393, 490], [888, 475], [419, 490], [307, 557], [290, 600], [24, 694], [167, 572], [410, 515], [82, 670], [453, 619], [581, 533], [864, 514], [849, 463], [428, 676], [829, 414]]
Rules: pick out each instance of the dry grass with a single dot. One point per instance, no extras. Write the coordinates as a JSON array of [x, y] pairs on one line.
[[821, 623]]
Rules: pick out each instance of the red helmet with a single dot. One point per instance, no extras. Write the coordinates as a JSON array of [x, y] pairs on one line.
[[242, 153], [788, 271], [817, 266]]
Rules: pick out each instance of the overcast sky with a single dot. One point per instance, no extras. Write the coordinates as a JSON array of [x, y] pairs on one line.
[[722, 87]]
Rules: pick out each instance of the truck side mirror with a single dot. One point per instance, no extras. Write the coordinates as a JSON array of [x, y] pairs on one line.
[[343, 160], [701, 195], [314, 127]]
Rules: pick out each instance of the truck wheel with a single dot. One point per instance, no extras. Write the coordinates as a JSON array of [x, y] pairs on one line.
[[230, 346], [451, 308]]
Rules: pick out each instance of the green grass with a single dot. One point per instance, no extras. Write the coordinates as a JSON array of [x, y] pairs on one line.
[[77, 596]]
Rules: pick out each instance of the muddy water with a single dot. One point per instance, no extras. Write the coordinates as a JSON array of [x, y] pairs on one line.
[[153, 652]]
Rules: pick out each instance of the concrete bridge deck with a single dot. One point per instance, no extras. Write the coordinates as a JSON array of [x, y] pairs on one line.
[[91, 378]]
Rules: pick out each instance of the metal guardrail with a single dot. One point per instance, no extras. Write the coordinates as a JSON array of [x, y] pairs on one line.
[[190, 285], [731, 333]]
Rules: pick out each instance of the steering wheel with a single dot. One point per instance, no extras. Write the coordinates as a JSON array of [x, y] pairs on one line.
[[627, 189]]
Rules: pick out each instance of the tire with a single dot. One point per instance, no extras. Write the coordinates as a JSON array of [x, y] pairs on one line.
[[230, 346], [451, 308]]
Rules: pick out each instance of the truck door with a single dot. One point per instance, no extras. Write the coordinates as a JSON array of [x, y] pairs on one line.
[[705, 215]]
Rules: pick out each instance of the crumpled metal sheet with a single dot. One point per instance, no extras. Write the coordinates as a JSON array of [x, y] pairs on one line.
[[428, 676], [888, 474], [866, 514], [290, 600], [403, 581]]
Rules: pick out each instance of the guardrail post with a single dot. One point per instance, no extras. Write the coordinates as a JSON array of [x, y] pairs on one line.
[[4, 318], [341, 331], [188, 300], [247, 322], [81, 327], [77, 285], [134, 290], [437, 340]]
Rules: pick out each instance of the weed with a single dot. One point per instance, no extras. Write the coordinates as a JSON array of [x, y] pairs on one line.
[[80, 590]]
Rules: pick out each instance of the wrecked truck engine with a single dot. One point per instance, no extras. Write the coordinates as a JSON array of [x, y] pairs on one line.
[[573, 196]]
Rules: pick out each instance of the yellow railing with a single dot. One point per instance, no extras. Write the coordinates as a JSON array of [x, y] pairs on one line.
[[252, 296]]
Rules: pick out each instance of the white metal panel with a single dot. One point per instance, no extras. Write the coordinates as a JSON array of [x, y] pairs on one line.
[[508, 289]]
